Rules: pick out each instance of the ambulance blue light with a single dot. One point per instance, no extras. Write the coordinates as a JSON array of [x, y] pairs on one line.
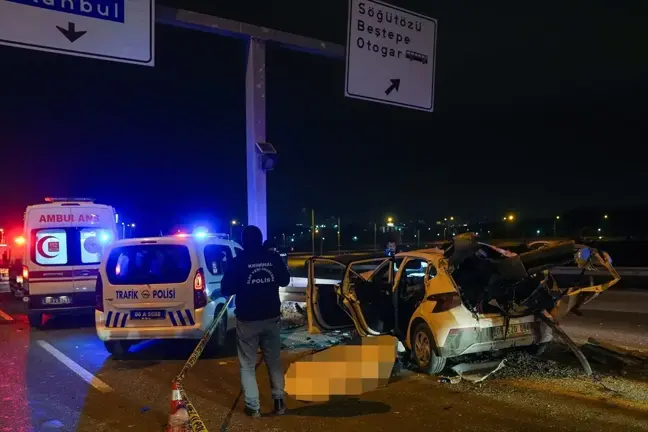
[[104, 237]]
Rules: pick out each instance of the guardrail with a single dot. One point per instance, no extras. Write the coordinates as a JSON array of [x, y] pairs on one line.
[[623, 271]]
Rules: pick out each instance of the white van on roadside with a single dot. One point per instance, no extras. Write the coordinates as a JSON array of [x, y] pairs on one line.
[[163, 288], [64, 242]]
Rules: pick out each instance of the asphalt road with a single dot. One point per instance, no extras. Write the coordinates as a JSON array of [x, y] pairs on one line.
[[61, 378]]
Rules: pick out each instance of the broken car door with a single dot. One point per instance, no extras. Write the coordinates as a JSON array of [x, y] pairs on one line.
[[367, 295], [324, 308]]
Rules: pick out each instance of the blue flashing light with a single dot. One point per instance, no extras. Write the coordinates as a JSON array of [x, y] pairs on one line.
[[104, 237], [200, 233]]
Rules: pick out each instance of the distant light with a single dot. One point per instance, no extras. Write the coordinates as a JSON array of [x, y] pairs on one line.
[[451, 218], [355, 238], [292, 239], [511, 217], [390, 220], [438, 234], [132, 225], [390, 224], [116, 218], [537, 231], [234, 222], [605, 217], [599, 230], [558, 217], [20, 240]]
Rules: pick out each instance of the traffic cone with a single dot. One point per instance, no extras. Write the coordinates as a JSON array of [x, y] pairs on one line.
[[178, 415]]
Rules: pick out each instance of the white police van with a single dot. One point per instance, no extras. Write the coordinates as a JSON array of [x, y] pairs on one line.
[[163, 288], [65, 239]]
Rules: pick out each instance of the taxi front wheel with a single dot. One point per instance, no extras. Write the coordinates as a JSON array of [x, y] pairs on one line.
[[424, 352], [117, 348]]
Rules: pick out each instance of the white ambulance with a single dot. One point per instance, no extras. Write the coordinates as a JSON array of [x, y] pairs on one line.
[[163, 288], [65, 240]]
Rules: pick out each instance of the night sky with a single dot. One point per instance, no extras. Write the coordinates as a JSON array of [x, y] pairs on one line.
[[538, 109]]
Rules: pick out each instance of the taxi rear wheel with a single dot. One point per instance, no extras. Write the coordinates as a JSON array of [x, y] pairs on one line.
[[424, 351], [117, 348]]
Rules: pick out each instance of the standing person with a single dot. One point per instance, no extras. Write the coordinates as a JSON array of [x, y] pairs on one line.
[[255, 276]]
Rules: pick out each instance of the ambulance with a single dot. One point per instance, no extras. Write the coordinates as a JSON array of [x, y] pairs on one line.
[[164, 288], [64, 242]]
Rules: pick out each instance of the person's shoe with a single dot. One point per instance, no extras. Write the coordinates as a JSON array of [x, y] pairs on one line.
[[251, 412], [279, 407]]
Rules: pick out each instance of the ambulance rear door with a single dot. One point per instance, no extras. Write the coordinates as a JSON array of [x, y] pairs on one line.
[[96, 229], [49, 259]]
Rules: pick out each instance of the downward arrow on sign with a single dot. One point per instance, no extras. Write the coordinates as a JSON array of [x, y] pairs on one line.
[[70, 32]]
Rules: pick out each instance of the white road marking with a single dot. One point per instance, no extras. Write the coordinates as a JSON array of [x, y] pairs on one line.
[[74, 367], [5, 316]]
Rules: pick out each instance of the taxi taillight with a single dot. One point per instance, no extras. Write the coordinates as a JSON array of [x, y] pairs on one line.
[[25, 273], [200, 293], [99, 294]]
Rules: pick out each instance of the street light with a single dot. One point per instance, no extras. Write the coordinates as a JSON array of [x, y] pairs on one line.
[[390, 221], [605, 216], [234, 222], [322, 246], [555, 221], [510, 218]]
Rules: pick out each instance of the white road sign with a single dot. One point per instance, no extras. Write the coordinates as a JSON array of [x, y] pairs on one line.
[[115, 30], [390, 55]]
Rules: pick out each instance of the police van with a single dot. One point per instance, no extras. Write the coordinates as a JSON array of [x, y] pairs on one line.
[[64, 243], [163, 288]]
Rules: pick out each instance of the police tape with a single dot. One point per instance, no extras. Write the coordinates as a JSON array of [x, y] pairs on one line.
[[193, 358], [195, 422]]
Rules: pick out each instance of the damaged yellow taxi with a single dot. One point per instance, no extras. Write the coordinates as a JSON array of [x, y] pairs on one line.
[[468, 298]]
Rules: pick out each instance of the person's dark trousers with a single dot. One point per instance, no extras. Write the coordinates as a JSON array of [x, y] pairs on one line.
[[251, 335]]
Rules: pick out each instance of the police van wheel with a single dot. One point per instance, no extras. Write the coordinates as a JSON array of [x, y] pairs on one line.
[[218, 338], [35, 319], [117, 348]]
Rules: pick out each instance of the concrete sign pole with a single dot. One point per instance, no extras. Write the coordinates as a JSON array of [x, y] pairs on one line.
[[255, 121]]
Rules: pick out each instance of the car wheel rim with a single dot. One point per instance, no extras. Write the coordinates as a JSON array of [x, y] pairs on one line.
[[422, 348]]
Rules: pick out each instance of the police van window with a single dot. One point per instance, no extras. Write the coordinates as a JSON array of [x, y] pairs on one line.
[[148, 264], [217, 257], [50, 247], [92, 243]]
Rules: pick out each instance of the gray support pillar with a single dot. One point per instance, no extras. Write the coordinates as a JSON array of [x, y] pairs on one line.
[[255, 124]]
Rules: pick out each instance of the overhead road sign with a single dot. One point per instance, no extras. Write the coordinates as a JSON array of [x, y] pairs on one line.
[[390, 55], [114, 30]]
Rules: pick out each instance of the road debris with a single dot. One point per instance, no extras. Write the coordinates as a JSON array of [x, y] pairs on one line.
[[478, 372]]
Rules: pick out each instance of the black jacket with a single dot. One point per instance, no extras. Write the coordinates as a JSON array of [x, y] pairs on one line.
[[255, 276]]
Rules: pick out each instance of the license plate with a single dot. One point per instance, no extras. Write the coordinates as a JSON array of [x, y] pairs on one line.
[[60, 300], [148, 315], [514, 330]]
